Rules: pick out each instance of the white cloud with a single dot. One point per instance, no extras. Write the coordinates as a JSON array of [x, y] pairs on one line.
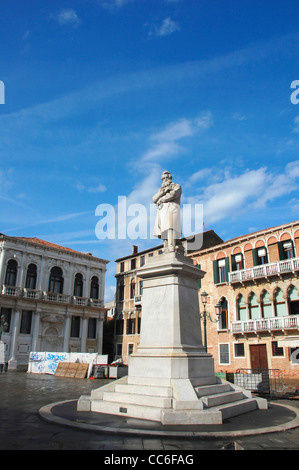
[[222, 199], [67, 16], [175, 131], [167, 27], [166, 141], [250, 190], [100, 188], [112, 4], [160, 151]]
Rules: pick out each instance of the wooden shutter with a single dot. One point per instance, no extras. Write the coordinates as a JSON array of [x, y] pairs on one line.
[[216, 272]]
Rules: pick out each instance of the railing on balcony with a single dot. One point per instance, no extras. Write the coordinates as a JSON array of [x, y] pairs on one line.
[[32, 293], [50, 296], [55, 297], [11, 290], [265, 270], [265, 324], [80, 300]]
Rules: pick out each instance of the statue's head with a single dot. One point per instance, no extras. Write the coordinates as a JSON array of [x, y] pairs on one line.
[[166, 176]]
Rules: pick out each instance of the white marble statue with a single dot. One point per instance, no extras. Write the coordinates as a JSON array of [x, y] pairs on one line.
[[168, 220]]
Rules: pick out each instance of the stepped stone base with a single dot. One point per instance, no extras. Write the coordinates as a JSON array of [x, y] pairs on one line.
[[211, 404]]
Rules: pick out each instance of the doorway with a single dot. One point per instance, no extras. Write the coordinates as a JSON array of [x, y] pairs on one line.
[[258, 356]]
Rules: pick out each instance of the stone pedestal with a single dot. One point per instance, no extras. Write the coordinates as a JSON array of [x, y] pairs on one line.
[[171, 378], [170, 339]]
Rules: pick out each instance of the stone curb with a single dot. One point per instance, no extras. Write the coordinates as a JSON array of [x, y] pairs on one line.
[[46, 413]]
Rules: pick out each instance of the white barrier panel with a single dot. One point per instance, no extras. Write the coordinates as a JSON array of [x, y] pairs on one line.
[[47, 362]]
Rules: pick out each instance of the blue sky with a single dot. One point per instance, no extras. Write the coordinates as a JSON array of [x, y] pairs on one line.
[[101, 96]]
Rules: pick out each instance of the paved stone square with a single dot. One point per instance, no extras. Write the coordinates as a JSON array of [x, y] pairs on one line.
[[22, 428]]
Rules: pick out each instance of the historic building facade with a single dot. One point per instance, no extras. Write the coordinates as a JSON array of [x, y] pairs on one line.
[[128, 299], [255, 279], [52, 298]]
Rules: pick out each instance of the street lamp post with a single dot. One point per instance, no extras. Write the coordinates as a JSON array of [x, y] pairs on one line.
[[206, 315]]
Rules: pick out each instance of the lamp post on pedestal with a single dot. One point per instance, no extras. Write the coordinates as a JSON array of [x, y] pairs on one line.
[[206, 315]]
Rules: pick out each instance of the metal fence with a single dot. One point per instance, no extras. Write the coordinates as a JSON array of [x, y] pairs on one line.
[[265, 381]]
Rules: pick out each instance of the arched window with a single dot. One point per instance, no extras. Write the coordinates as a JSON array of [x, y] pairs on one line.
[[237, 260], [223, 317], [241, 309], [56, 280], [279, 304], [78, 285], [94, 288], [120, 290], [11, 273], [253, 307], [260, 255], [266, 305], [293, 300], [31, 276]]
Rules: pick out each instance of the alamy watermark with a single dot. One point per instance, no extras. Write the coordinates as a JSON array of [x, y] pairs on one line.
[[295, 95], [295, 356], [136, 221]]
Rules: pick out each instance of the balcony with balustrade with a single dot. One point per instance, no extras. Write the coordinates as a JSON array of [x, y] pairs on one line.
[[33, 294], [265, 271], [270, 324]]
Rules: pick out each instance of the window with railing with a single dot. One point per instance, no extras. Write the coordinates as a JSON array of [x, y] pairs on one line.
[[279, 304], [260, 256], [94, 288], [241, 308], [221, 270], [11, 273], [253, 307], [266, 305], [78, 285], [293, 299], [56, 280], [237, 262], [31, 276]]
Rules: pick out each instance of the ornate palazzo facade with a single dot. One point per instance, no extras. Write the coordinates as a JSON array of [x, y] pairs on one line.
[[52, 298]]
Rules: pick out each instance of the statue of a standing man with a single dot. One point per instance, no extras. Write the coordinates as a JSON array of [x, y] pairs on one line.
[[168, 217]]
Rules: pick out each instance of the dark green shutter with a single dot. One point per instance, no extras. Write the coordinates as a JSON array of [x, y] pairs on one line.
[[255, 257], [199, 280], [216, 272], [280, 250], [233, 261], [226, 269]]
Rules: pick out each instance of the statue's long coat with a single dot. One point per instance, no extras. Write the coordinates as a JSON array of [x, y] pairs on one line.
[[163, 217]]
